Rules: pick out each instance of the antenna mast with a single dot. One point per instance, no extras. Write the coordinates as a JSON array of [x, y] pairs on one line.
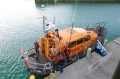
[[75, 11], [71, 32], [44, 23]]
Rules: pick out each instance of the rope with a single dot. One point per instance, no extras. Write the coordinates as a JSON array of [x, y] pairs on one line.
[[75, 11]]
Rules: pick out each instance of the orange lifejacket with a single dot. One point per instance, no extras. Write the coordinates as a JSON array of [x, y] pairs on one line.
[[61, 61], [67, 51], [52, 56]]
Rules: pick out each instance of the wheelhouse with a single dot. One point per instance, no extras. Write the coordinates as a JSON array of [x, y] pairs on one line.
[[77, 39]]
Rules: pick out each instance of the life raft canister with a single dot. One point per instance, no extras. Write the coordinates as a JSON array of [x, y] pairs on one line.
[[22, 53], [27, 62]]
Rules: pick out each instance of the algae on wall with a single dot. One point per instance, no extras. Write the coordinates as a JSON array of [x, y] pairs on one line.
[[79, 0], [44, 0]]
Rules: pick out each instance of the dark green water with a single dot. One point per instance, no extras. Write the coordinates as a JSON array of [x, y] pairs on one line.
[[21, 24]]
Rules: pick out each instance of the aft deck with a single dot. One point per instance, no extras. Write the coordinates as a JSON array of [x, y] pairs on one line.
[[42, 59]]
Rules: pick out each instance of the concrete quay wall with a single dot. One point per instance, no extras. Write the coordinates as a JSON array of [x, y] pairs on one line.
[[78, 0]]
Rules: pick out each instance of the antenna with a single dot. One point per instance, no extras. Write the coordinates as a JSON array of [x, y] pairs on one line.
[[54, 10], [44, 23], [71, 32]]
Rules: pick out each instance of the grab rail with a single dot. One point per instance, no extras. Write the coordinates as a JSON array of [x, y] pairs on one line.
[[100, 45], [44, 66], [100, 24], [62, 45]]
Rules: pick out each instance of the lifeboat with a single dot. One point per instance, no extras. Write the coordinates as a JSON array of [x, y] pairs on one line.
[[77, 39]]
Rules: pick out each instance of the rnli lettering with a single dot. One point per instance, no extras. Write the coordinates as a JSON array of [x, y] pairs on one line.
[[77, 48]]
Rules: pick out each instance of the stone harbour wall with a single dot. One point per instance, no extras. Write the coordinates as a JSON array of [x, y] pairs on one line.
[[78, 0]]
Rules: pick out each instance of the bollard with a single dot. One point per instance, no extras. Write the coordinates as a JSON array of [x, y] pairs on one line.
[[89, 53], [105, 42]]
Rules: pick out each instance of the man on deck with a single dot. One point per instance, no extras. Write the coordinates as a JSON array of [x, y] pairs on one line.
[[52, 59], [36, 47]]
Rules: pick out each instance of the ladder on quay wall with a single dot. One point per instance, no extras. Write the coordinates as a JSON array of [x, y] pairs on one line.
[[98, 63]]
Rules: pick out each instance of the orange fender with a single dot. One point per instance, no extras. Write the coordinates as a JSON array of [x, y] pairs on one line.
[[22, 53], [27, 62]]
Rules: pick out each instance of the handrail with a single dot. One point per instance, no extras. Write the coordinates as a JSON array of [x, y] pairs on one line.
[[62, 45], [100, 44], [100, 24], [44, 66]]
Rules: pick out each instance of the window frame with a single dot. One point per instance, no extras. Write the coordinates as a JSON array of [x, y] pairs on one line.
[[70, 46], [81, 41], [87, 38]]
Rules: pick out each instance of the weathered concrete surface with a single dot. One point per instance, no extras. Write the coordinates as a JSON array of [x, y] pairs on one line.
[[78, 69]]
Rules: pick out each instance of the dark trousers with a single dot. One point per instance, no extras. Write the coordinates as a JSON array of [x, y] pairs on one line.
[[61, 68], [37, 51], [67, 57], [53, 64]]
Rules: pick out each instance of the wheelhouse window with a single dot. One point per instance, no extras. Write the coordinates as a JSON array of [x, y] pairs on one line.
[[86, 38], [72, 44], [79, 41]]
